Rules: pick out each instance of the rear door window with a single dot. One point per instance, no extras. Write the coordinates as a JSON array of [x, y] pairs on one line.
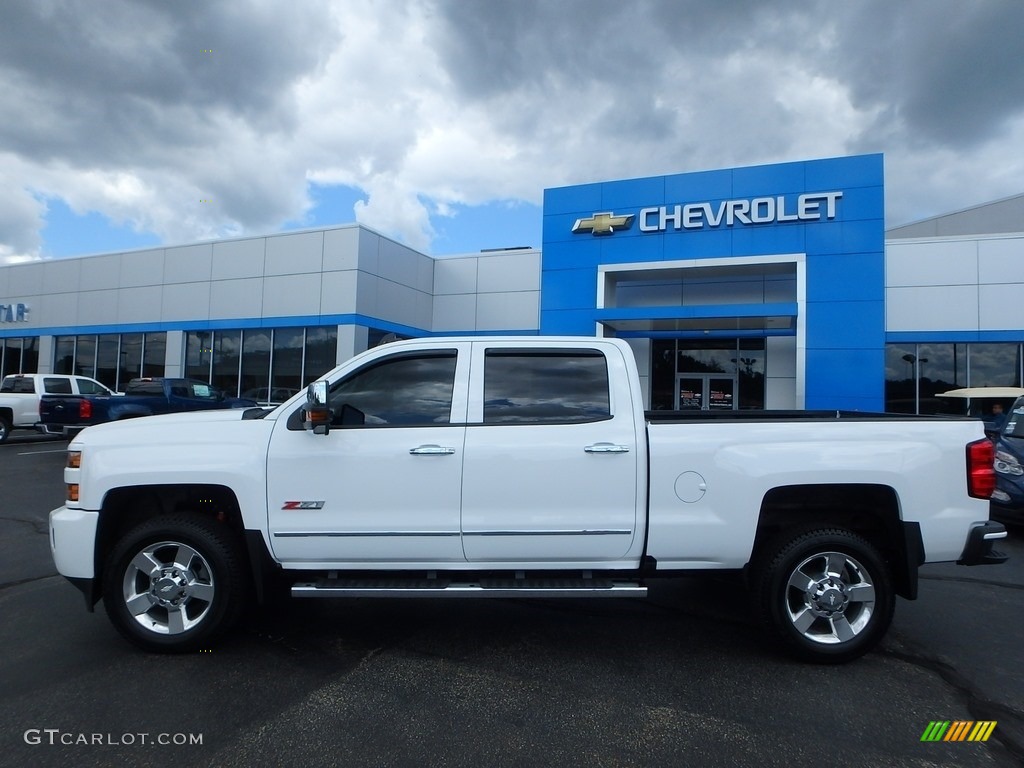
[[545, 386], [57, 386]]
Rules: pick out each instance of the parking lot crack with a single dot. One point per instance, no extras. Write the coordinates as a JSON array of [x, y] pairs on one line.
[[39, 526], [980, 707], [987, 582], [20, 582]]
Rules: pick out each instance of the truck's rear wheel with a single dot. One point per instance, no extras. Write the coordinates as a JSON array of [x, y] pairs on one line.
[[827, 594], [174, 583], [5, 429]]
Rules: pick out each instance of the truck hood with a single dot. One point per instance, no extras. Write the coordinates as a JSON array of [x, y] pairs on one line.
[[192, 426]]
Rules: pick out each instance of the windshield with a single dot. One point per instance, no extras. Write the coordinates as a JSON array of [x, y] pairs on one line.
[[1015, 421]]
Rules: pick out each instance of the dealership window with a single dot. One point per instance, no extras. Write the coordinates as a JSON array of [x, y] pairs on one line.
[[19, 355], [226, 358], [916, 373], [710, 370], [129, 358], [286, 371], [255, 373], [154, 354], [268, 365], [85, 356], [113, 359]]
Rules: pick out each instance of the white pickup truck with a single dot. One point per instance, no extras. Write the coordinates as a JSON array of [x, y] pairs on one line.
[[20, 394], [516, 467]]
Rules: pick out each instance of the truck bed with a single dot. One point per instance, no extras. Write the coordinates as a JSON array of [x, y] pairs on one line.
[[681, 417]]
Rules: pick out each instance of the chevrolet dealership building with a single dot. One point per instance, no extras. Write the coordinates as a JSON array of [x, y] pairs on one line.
[[773, 286]]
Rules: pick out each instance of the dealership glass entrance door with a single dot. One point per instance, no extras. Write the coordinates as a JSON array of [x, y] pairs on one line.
[[705, 392], [707, 374]]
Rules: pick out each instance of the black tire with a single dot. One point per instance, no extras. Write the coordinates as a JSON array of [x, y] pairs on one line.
[[173, 584], [827, 595], [5, 429]]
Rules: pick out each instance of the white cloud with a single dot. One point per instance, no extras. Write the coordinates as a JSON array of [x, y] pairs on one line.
[[429, 104]]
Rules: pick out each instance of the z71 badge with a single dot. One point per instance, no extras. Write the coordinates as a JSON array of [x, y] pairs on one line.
[[303, 505]]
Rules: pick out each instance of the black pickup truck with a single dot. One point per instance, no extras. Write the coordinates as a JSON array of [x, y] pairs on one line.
[[69, 414]]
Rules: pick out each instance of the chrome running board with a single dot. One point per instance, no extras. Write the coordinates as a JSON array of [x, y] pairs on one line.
[[541, 588]]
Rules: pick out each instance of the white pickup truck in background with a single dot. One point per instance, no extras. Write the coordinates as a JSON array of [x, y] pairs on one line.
[[20, 393], [517, 467]]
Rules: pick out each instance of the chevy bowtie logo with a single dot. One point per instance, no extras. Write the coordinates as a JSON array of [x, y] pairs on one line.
[[603, 223]]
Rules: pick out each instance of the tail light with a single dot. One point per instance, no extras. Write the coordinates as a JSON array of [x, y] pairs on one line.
[[981, 476], [85, 409]]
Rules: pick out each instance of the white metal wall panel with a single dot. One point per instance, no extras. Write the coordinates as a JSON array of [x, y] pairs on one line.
[[341, 249], [455, 276], [455, 312], [424, 310], [508, 311], [937, 308], [25, 280], [931, 263], [239, 258], [61, 275], [188, 264], [300, 253], [396, 302], [236, 298], [1001, 261], [366, 294], [140, 305], [140, 268], [185, 301], [509, 272], [369, 247], [59, 309], [291, 295], [398, 264], [1001, 307], [338, 292], [97, 307]]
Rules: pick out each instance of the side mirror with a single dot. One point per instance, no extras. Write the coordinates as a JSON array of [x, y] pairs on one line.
[[317, 411]]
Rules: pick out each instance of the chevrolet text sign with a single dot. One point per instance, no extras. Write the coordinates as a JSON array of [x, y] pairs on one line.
[[813, 206]]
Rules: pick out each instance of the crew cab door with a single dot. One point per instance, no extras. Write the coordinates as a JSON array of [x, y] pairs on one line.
[[384, 485], [553, 456]]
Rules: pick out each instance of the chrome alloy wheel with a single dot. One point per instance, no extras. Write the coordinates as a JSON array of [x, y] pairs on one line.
[[830, 598], [168, 588]]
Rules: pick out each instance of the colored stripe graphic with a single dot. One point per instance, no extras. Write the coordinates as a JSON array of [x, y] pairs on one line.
[[959, 730], [982, 730]]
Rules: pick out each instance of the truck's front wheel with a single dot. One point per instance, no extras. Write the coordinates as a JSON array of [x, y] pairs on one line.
[[827, 594], [5, 429], [174, 583]]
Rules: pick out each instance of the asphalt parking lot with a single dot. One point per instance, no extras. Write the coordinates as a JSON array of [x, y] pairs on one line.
[[682, 678]]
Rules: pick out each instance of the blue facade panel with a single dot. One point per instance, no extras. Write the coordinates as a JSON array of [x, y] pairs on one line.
[[831, 211]]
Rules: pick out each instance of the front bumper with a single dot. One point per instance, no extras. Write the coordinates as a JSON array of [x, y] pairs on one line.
[[980, 542], [73, 542]]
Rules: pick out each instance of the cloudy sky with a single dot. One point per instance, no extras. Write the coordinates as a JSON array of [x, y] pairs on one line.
[[129, 123]]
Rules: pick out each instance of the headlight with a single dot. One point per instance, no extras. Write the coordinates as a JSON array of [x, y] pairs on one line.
[[1005, 464]]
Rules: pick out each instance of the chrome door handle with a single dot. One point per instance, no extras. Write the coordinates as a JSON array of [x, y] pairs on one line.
[[432, 450], [606, 448]]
